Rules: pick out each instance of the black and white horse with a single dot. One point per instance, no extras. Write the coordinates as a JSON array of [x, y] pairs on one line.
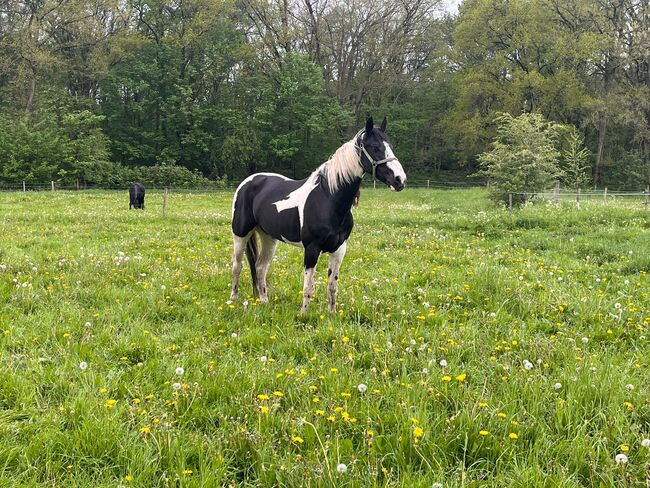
[[314, 213], [136, 196]]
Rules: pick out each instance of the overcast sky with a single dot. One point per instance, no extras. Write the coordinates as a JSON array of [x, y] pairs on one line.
[[452, 6]]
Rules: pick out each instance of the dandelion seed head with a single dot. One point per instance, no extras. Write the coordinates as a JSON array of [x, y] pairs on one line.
[[341, 468], [83, 365], [180, 371], [621, 459], [362, 388]]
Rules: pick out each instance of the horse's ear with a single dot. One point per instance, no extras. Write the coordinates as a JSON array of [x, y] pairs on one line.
[[369, 125], [383, 124]]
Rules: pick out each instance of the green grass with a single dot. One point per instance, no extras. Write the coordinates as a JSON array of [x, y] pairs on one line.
[[429, 275]]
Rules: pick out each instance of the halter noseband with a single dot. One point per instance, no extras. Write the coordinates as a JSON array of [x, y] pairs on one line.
[[373, 162]]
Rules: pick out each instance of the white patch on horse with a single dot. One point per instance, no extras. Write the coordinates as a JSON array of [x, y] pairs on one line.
[[395, 166], [298, 198], [241, 185]]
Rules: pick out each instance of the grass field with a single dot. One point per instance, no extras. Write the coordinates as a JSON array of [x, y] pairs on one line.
[[469, 349]]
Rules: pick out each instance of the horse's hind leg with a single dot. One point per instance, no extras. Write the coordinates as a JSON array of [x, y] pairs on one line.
[[336, 258], [267, 251], [239, 246]]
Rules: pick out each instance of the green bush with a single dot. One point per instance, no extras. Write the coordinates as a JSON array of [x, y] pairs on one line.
[[523, 158]]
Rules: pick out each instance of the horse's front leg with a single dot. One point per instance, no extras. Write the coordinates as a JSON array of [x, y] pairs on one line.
[[311, 258], [336, 258]]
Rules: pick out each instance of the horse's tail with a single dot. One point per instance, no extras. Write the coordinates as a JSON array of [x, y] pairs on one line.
[[251, 255]]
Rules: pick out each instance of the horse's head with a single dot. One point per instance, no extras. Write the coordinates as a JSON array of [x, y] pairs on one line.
[[377, 154]]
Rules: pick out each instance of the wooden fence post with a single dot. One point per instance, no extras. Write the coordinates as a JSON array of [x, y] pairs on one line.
[[510, 204], [646, 195], [24, 188], [556, 192], [427, 183], [164, 211], [52, 186], [77, 183], [578, 199], [605, 196]]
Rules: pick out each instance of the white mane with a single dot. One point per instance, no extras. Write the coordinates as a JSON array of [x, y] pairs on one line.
[[343, 166]]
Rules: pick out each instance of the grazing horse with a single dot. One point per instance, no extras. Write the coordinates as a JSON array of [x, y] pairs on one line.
[[136, 196], [314, 213]]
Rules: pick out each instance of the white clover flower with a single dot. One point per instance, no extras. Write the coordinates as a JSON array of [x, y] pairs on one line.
[[83, 365], [234, 335], [621, 459], [645, 442], [263, 359], [527, 365], [362, 388], [443, 363], [341, 468], [585, 340], [176, 386], [493, 314], [180, 371], [557, 386]]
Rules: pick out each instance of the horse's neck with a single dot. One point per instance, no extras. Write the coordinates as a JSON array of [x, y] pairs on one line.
[[344, 196]]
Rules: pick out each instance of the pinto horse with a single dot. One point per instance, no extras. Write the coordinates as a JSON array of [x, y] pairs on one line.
[[314, 213]]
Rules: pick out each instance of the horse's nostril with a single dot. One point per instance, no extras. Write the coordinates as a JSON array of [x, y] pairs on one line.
[[398, 179]]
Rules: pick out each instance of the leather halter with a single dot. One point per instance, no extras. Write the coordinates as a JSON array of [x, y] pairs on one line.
[[373, 162]]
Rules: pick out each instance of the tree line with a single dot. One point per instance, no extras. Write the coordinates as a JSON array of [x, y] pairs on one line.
[[109, 90]]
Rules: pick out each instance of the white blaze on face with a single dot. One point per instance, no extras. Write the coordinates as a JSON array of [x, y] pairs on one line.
[[395, 166]]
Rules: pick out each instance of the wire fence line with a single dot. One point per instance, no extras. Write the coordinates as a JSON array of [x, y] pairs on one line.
[[217, 187]]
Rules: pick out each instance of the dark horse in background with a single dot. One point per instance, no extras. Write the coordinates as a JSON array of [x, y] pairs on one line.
[[314, 213], [136, 196]]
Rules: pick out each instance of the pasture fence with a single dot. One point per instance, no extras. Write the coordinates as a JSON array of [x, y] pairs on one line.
[[554, 195]]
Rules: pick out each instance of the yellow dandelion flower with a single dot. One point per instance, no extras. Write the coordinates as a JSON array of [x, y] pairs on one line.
[[482, 404], [297, 439], [145, 430], [263, 397], [128, 477], [418, 432], [103, 390], [264, 409], [320, 412], [278, 393], [461, 377], [110, 403], [513, 436], [484, 433], [187, 472], [501, 415], [446, 378], [624, 448]]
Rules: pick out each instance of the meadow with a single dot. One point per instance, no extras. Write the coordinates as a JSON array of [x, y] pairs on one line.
[[469, 349]]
